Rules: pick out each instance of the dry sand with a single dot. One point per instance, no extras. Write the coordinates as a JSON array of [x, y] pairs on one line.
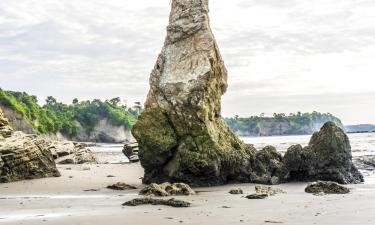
[[64, 200]]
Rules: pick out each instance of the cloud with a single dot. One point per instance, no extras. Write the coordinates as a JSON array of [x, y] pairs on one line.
[[102, 49]]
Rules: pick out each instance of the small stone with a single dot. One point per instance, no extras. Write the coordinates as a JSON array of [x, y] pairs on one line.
[[259, 189], [121, 186], [236, 191], [167, 189], [257, 196], [151, 201]]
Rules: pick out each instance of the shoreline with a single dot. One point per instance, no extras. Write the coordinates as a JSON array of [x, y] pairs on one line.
[[65, 200]]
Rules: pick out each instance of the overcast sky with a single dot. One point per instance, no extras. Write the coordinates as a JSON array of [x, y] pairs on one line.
[[281, 55]]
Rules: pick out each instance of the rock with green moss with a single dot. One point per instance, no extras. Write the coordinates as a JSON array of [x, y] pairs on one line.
[[328, 157], [181, 134], [326, 187]]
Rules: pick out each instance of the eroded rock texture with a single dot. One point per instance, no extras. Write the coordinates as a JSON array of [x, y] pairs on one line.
[[181, 134], [328, 157], [23, 156]]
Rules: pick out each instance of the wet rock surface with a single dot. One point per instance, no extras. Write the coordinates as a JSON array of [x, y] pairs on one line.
[[121, 186], [152, 201], [167, 189], [327, 157], [23, 156], [326, 187], [257, 196]]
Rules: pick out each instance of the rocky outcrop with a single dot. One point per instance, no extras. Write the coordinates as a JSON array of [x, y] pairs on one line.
[[131, 150], [326, 187], [23, 156], [167, 189], [328, 157], [67, 152], [121, 186], [181, 134]]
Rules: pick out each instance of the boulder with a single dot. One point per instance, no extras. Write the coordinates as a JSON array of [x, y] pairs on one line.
[[25, 157], [268, 190], [167, 189], [326, 187], [327, 157], [257, 196], [67, 152], [5, 129], [151, 201]]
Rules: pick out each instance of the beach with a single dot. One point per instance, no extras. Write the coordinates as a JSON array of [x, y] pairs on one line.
[[80, 196]]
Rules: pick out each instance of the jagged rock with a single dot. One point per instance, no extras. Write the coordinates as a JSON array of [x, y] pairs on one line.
[[326, 187], [5, 129], [268, 167], [236, 191], [130, 150], [121, 186], [25, 157], [257, 196], [327, 157], [151, 201], [266, 190], [167, 189], [67, 152], [181, 134]]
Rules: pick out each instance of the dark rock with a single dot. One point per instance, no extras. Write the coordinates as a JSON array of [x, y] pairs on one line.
[[257, 196], [326, 187], [151, 201], [130, 150], [121, 186], [327, 157], [236, 191], [167, 189]]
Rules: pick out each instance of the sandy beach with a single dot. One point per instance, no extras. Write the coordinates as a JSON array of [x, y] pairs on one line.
[[80, 196]]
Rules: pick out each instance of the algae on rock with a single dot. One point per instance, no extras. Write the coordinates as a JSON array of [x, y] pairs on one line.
[[181, 134]]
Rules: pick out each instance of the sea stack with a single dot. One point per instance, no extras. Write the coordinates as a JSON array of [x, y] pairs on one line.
[[181, 134]]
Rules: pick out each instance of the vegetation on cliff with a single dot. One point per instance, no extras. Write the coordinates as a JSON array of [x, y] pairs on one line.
[[56, 117], [281, 124]]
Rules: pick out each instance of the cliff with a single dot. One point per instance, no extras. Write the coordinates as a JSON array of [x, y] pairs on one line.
[[294, 124]]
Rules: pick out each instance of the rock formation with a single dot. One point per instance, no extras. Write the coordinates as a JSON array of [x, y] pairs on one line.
[[23, 156], [152, 201], [181, 134], [67, 152], [327, 157], [326, 187]]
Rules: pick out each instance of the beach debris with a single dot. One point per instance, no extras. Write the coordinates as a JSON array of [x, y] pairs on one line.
[[152, 201], [260, 189], [257, 196], [121, 186], [236, 191], [92, 189], [110, 176], [167, 189], [272, 221], [326, 187], [327, 157]]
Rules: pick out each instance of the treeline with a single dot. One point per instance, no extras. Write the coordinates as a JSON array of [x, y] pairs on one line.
[[55, 116], [280, 124]]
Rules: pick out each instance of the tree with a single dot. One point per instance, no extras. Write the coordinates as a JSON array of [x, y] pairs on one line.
[[51, 101], [115, 101], [75, 101]]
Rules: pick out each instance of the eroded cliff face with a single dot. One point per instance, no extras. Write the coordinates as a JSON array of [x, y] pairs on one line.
[[17, 121], [181, 134]]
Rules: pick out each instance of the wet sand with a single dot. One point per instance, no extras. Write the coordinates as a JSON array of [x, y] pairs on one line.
[[80, 196]]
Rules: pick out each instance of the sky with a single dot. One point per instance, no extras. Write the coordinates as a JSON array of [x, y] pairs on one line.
[[281, 55]]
